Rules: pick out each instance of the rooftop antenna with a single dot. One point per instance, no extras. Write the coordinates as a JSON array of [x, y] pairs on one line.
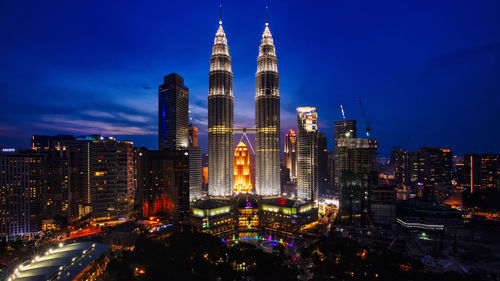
[[267, 15], [220, 13]]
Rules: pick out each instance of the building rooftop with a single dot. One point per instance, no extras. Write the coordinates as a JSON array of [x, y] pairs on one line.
[[64, 262], [212, 203], [289, 203]]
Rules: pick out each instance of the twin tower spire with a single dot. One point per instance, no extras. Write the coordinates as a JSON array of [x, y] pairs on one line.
[[221, 118]]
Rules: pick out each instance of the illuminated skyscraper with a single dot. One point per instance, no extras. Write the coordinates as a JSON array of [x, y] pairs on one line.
[[290, 154], [242, 175], [112, 178], [267, 119], [220, 118], [307, 144], [173, 113], [195, 173], [195, 169], [21, 183]]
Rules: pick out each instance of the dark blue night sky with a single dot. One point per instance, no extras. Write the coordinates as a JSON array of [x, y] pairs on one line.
[[421, 68]]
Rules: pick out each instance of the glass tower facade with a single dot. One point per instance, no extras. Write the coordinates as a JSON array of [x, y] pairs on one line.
[[267, 119], [173, 113]]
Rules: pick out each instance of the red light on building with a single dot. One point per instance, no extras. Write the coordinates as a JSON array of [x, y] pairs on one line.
[[282, 201], [405, 266]]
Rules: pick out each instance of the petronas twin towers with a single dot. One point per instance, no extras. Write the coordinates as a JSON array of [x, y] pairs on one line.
[[221, 118]]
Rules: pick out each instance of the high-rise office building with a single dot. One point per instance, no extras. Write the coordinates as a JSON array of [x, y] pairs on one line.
[[290, 154], [204, 165], [22, 181], [430, 171], [163, 183], [174, 130], [400, 161], [267, 119], [459, 170], [57, 196], [341, 129], [220, 118], [323, 175], [481, 171], [195, 165], [86, 175], [195, 173], [358, 175], [68, 172], [193, 135], [81, 181], [331, 173], [173, 113], [307, 144], [112, 178], [60, 168], [242, 174]]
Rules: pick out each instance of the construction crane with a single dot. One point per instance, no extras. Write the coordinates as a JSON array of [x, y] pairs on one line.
[[342, 110], [347, 134], [368, 124]]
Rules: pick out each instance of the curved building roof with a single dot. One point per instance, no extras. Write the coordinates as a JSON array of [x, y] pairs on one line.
[[64, 262]]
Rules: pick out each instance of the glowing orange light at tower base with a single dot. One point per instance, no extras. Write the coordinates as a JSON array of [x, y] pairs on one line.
[[242, 176]]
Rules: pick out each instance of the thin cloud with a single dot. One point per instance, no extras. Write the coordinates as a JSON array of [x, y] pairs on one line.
[[66, 124]]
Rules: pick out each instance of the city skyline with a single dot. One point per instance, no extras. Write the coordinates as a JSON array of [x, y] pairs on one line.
[[228, 169], [409, 86]]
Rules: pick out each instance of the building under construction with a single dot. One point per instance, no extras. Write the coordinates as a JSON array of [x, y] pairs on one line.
[[358, 174]]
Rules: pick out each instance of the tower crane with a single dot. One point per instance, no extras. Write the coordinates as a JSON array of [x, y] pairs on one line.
[[342, 110], [347, 134], [368, 124]]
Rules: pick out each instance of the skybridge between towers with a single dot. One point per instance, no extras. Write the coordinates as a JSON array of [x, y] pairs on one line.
[[244, 132]]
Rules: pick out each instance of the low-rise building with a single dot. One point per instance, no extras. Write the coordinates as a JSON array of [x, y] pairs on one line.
[[214, 216], [251, 215], [382, 206], [76, 261]]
